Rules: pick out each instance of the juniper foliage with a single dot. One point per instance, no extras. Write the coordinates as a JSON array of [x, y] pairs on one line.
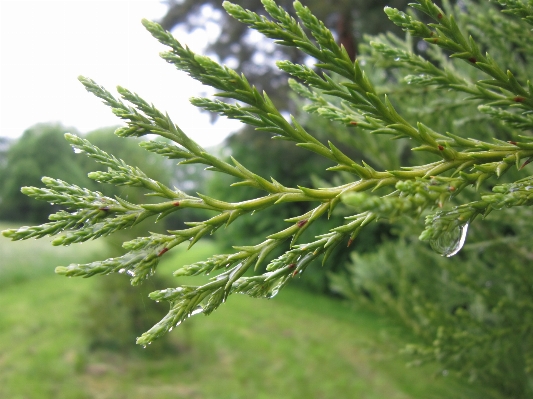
[[473, 309], [446, 181]]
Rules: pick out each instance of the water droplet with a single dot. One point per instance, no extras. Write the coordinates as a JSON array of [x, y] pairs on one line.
[[422, 46], [397, 59], [450, 242], [122, 270], [77, 150], [199, 309]]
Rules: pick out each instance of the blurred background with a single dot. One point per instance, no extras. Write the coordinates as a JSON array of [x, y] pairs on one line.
[[336, 333]]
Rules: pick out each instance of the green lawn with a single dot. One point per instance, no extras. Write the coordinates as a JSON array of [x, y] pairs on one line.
[[297, 345]]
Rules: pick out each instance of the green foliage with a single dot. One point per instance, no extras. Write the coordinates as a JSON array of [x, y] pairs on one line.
[[43, 150], [472, 308], [282, 159], [473, 312], [111, 296], [458, 153], [114, 311]]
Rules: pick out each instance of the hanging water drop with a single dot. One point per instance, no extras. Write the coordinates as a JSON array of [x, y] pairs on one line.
[[274, 291], [450, 242], [77, 150], [198, 309]]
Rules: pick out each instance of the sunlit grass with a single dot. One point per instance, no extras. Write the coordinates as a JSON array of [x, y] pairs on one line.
[[297, 345]]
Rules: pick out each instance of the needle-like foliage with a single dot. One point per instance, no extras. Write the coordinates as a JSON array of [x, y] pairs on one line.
[[338, 90]]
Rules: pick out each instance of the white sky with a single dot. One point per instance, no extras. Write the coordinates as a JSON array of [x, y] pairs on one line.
[[46, 44]]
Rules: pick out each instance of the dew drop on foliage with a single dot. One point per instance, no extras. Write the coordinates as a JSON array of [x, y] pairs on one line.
[[274, 292], [197, 310], [450, 242]]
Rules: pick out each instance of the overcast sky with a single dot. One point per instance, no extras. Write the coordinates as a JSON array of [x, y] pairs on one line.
[[46, 44]]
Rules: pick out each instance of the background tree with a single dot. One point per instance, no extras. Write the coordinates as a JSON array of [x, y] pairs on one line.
[[4, 145], [254, 56], [40, 151]]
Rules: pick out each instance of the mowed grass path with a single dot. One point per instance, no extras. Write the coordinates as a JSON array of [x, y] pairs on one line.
[[297, 345]]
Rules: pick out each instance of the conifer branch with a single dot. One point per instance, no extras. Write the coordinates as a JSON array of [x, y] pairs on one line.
[[520, 8], [344, 93], [447, 35]]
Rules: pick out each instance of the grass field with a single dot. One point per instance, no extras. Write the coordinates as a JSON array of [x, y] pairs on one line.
[[297, 345]]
